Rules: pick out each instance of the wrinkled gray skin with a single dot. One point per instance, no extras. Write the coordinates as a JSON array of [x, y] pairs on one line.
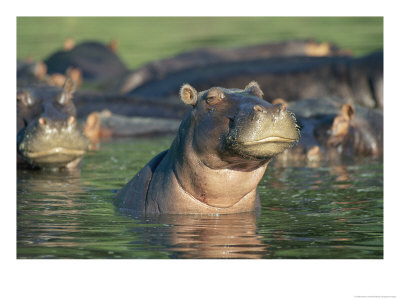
[[48, 134], [221, 152], [203, 57], [362, 135], [122, 126], [357, 131], [359, 80], [337, 128]]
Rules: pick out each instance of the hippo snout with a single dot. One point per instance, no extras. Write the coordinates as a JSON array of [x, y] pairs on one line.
[[275, 112], [276, 109], [53, 143], [264, 131]]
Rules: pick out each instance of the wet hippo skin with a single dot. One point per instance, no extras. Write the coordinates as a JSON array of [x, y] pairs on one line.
[[203, 57], [104, 125], [97, 62], [48, 134], [357, 131], [218, 157], [333, 129], [359, 80]]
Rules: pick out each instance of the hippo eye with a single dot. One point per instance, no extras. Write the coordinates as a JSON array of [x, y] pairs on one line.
[[211, 100], [214, 98]]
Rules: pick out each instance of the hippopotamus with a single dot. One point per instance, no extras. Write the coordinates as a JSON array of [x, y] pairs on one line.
[[212, 56], [29, 72], [35, 73], [57, 79], [104, 125], [220, 154], [358, 80], [48, 134], [332, 128], [357, 132], [87, 102], [97, 62]]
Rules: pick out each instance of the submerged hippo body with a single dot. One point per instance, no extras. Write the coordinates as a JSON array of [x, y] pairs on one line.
[[48, 135], [96, 61], [30, 72], [357, 131], [105, 125], [359, 80], [222, 149], [332, 129], [87, 102], [203, 57]]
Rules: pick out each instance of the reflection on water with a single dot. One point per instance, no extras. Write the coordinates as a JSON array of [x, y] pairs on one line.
[[317, 211], [44, 198], [224, 236]]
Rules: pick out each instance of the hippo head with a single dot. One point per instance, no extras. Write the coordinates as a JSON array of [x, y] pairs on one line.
[[356, 134], [48, 132], [341, 125], [236, 127]]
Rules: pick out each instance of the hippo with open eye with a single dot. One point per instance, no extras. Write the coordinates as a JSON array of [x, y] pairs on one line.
[[48, 134], [218, 157]]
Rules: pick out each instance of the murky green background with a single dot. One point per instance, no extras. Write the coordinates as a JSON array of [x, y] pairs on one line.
[[307, 212], [145, 39]]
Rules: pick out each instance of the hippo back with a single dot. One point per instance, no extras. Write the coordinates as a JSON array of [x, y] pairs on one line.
[[95, 60], [133, 195]]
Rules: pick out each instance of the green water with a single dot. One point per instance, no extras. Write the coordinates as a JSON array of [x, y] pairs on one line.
[[307, 212]]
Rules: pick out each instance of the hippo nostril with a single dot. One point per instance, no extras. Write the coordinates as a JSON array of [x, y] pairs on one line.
[[71, 120], [42, 121], [258, 108]]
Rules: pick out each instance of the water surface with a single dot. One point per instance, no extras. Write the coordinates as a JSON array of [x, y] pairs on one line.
[[325, 211]]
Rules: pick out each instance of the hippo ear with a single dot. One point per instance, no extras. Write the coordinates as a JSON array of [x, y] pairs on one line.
[[25, 98], [113, 45], [280, 101], [69, 44], [40, 70], [68, 90], [347, 111], [254, 89], [188, 94], [92, 126], [69, 85]]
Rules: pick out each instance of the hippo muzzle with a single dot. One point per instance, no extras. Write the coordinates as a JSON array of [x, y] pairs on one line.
[[49, 135], [262, 131], [53, 143]]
